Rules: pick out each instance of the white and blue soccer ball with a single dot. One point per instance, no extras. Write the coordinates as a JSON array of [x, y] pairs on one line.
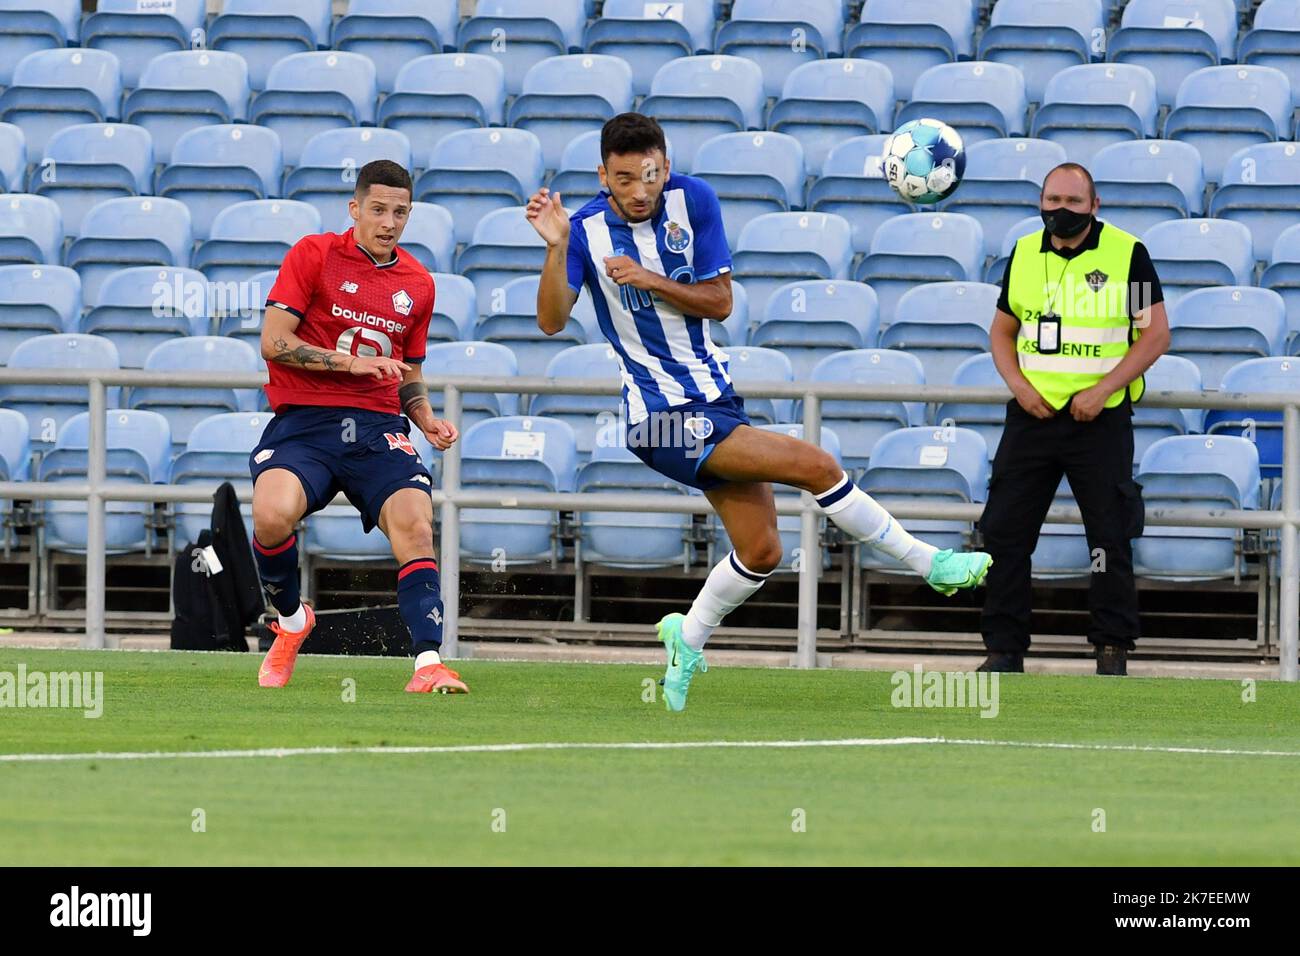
[[924, 161]]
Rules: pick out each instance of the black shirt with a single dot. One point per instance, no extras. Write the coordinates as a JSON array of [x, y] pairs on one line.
[[1144, 284]]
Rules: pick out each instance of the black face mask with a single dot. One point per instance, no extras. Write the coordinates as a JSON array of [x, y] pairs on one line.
[[1065, 223]]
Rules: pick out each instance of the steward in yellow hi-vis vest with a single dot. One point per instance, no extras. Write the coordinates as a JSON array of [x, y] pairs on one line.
[[1075, 324], [1080, 318]]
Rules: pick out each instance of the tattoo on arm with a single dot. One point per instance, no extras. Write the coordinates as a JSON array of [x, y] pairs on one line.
[[307, 356], [412, 396]]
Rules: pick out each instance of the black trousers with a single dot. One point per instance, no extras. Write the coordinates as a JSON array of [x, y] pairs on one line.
[[1097, 458]]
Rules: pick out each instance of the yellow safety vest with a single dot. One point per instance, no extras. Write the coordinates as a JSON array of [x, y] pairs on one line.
[[1090, 294]]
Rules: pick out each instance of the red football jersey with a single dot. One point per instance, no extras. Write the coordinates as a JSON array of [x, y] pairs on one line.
[[349, 302]]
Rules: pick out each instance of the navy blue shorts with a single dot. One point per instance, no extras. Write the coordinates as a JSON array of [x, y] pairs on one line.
[[366, 455], [676, 442]]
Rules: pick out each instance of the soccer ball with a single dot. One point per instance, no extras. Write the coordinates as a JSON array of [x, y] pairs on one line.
[[924, 161]]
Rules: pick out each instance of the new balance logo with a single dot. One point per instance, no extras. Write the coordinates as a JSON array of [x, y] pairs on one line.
[[348, 287], [436, 616]]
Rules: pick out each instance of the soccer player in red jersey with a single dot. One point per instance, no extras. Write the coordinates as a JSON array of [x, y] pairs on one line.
[[344, 338]]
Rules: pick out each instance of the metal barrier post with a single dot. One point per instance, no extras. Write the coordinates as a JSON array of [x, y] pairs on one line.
[[810, 547], [96, 471], [449, 563], [1289, 605]]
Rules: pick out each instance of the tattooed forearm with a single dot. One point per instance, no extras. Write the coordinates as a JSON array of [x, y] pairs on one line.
[[309, 357]]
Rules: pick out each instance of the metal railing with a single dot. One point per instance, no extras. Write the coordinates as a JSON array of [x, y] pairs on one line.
[[451, 498]]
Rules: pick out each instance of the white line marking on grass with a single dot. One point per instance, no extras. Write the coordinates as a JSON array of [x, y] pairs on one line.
[[626, 745]]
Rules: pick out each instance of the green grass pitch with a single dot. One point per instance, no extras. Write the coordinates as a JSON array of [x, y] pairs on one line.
[[936, 803]]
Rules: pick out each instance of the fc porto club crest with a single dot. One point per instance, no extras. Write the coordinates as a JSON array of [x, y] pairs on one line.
[[1096, 279], [700, 427], [402, 302], [676, 236]]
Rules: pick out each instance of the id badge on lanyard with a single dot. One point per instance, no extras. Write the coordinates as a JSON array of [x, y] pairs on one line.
[[1049, 334]]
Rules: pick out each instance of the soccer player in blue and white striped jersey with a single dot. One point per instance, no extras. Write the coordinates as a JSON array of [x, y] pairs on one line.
[[652, 252]]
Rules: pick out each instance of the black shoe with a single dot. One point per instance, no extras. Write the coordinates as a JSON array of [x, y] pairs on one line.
[[1004, 663], [1112, 660]]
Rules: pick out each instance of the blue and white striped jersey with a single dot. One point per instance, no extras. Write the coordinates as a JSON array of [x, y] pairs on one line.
[[667, 358]]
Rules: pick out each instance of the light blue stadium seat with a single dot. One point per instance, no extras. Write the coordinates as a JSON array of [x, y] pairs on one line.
[[48, 406], [505, 246], [979, 100], [326, 175], [1282, 276], [1220, 326], [238, 307], [734, 329], [996, 269], [750, 364], [593, 418], [138, 451], [1172, 38], [252, 236], [532, 29], [1223, 109], [566, 96], [1274, 374], [1043, 37], [443, 93], [454, 308], [1260, 187], [826, 102], [942, 324], [752, 173], [185, 408], [474, 358], [52, 89], [474, 172], [13, 158], [133, 231], [26, 27], [15, 450], [36, 300], [217, 451], [1003, 183], [307, 93], [1087, 108], [1274, 39], [93, 162], [943, 465], [31, 229], [627, 539], [910, 38], [1148, 181], [576, 179], [264, 33], [781, 38], [788, 527], [214, 167], [136, 34], [695, 98], [391, 33], [1170, 373], [860, 424], [780, 247], [1215, 471], [1191, 253], [812, 319], [142, 307], [515, 454], [514, 324], [921, 247], [978, 371], [429, 237], [188, 90], [853, 186], [647, 39]]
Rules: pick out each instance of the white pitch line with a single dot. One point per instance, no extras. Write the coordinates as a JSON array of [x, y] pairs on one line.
[[627, 745]]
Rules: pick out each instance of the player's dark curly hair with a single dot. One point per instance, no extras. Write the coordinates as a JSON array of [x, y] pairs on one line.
[[631, 133], [383, 172]]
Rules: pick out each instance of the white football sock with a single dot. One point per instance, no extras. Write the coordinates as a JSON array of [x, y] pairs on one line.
[[295, 621], [862, 517], [729, 584], [425, 658]]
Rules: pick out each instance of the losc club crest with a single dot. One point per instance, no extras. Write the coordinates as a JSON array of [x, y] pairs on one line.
[[1096, 279], [676, 236], [402, 302]]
